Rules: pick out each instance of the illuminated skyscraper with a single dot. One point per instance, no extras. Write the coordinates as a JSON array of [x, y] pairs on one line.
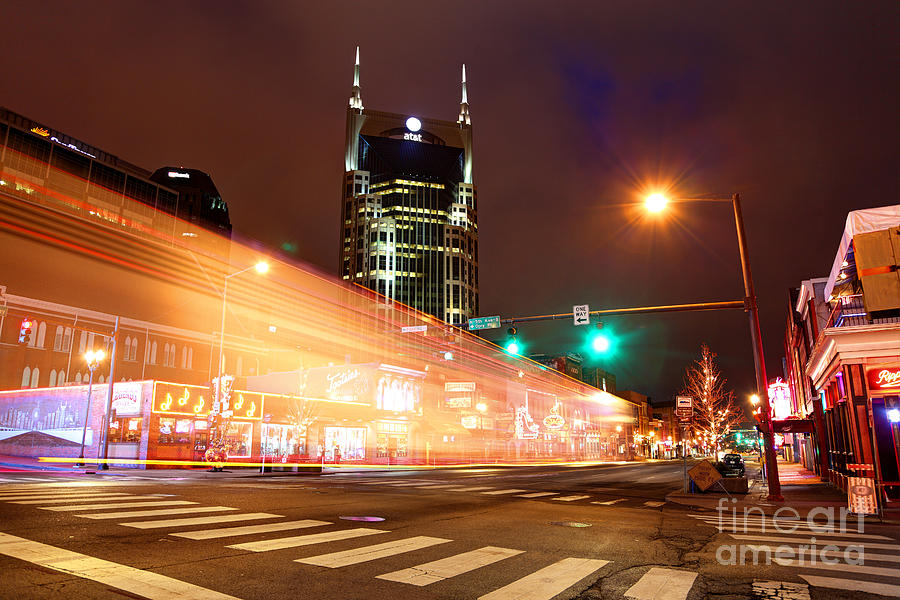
[[409, 225]]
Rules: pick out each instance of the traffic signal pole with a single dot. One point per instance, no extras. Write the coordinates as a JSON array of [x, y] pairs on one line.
[[636, 310]]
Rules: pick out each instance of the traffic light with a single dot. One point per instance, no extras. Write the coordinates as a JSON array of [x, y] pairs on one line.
[[25, 331], [512, 345], [598, 341], [739, 436]]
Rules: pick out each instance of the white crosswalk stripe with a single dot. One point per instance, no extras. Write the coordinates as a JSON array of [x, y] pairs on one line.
[[119, 505], [209, 534], [103, 498], [537, 494], [306, 540], [571, 498], [410, 484], [37, 494], [367, 553], [662, 584], [156, 513], [609, 502], [473, 489], [854, 585], [439, 570], [549, 581], [209, 520], [499, 492], [145, 584], [805, 540], [653, 503]]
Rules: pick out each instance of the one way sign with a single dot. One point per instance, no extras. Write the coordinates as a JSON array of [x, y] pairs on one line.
[[581, 314]]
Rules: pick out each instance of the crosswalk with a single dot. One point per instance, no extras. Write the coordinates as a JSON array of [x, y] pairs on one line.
[[417, 484], [866, 562], [418, 561]]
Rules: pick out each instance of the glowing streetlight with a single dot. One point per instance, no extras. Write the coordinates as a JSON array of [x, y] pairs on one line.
[[93, 358], [481, 407], [754, 399], [656, 202], [261, 267]]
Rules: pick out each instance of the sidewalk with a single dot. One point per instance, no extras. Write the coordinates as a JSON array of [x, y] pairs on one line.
[[802, 490]]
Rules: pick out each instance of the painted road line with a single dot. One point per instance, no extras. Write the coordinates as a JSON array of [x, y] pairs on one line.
[[732, 520], [140, 583], [854, 585], [537, 494], [414, 483], [473, 489], [209, 534], [653, 503], [499, 492], [662, 584], [609, 502], [853, 552], [119, 505], [816, 534], [367, 553], [306, 540], [805, 541], [156, 513], [842, 567], [434, 485], [570, 498], [452, 566], [548, 582], [103, 498], [34, 494], [200, 520]]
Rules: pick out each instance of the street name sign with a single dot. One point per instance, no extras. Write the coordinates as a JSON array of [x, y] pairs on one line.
[[484, 323], [683, 402], [581, 314], [415, 329]]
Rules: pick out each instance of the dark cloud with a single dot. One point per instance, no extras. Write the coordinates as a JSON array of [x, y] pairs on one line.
[[575, 106]]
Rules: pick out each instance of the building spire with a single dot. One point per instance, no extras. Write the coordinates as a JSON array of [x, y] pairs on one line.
[[356, 95], [464, 104]]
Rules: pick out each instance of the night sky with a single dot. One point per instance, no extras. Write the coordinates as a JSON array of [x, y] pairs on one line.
[[577, 108]]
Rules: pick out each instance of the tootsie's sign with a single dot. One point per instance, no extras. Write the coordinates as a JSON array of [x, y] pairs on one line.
[[883, 378]]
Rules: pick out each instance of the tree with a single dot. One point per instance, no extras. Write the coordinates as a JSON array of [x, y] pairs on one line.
[[715, 412]]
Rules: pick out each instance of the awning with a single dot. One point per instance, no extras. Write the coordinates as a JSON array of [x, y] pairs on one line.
[[861, 221], [793, 426]]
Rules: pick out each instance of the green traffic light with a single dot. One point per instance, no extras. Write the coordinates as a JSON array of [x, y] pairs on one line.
[[600, 343], [512, 347]]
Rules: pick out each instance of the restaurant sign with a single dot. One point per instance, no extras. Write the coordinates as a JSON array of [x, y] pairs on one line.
[[195, 401], [883, 378]]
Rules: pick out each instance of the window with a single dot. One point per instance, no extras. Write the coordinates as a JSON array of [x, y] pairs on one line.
[[127, 353], [35, 377], [171, 360], [134, 345], [52, 377], [78, 377], [82, 343], [67, 340], [61, 378], [100, 379], [190, 358], [26, 377], [58, 339], [239, 366], [152, 360], [41, 334], [184, 357]]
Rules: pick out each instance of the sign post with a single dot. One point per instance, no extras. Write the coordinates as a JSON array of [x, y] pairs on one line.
[[581, 314], [684, 408]]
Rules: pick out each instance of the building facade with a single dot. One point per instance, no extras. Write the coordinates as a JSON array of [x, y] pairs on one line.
[[409, 226], [842, 348]]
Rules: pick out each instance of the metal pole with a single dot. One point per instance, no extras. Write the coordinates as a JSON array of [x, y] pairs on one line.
[[684, 458], [87, 414], [104, 428], [758, 357], [221, 341]]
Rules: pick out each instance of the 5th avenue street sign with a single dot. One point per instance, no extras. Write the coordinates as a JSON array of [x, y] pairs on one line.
[[484, 323]]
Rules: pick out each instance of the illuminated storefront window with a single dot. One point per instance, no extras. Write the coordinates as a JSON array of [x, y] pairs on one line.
[[349, 441], [392, 440], [238, 439], [282, 440]]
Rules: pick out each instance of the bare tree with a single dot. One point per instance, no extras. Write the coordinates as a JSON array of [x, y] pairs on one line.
[[301, 414], [715, 412]]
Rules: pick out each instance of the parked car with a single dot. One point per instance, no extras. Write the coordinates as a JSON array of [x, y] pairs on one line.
[[732, 465]]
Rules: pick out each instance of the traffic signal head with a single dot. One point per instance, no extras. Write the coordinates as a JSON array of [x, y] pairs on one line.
[[512, 342], [598, 341], [25, 331]]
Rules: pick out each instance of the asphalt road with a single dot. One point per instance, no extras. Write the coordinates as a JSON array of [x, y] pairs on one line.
[[499, 534]]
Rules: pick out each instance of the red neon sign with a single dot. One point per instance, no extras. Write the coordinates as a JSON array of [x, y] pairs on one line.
[[883, 378]]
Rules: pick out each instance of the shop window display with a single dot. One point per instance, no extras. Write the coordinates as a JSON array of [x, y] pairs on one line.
[[238, 439], [125, 429], [281, 440], [350, 442], [174, 431]]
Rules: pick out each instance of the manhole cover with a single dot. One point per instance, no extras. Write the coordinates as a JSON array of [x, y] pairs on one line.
[[570, 524], [367, 519]]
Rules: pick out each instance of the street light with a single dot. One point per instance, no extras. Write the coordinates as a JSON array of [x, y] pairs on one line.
[[656, 203], [261, 267], [93, 359]]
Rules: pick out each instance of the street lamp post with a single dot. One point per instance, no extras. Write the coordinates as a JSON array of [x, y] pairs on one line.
[[656, 203], [93, 359], [261, 268]]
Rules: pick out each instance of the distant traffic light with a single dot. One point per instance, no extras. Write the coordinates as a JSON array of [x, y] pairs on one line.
[[739, 436], [598, 341], [512, 342], [25, 331]]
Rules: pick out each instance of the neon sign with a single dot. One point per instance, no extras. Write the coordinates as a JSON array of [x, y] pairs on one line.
[[193, 401], [780, 399], [412, 137], [554, 420], [883, 378], [40, 131], [176, 174]]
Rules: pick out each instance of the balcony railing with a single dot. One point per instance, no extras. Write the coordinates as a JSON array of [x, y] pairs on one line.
[[850, 311]]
